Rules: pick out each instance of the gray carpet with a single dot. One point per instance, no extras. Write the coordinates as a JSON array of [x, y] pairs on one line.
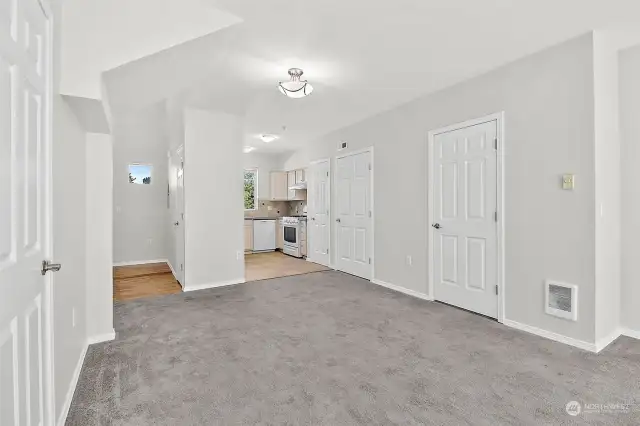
[[330, 349]]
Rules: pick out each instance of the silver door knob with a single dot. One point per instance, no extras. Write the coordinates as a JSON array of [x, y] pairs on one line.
[[436, 225], [177, 223], [338, 220], [47, 266], [313, 218]]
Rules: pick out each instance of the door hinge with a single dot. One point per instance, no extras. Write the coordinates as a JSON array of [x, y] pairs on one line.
[[495, 216], [369, 213], [495, 143], [369, 166], [327, 174], [181, 267], [496, 289], [369, 261]]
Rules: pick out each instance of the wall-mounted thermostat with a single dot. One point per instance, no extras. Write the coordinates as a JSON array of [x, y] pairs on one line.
[[568, 181]]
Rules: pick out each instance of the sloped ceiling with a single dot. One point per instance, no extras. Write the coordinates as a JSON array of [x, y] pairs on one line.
[[362, 56]]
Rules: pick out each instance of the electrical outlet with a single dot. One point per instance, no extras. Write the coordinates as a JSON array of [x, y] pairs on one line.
[[239, 255], [409, 260], [73, 317], [269, 208]]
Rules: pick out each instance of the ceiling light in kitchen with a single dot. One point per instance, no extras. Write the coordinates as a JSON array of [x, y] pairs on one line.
[[248, 149], [295, 88], [268, 138]]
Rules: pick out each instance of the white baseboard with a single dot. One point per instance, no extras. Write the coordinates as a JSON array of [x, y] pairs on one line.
[[606, 341], [635, 334], [140, 262], [406, 291], [62, 418], [591, 347], [213, 285], [106, 337]]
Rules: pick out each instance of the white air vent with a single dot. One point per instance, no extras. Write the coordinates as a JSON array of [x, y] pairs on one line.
[[561, 300], [342, 145]]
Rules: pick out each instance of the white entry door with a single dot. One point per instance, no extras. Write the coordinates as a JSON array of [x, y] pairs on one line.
[[319, 225], [25, 215], [464, 218], [354, 215]]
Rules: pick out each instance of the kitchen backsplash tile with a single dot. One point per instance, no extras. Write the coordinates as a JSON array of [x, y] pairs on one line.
[[278, 209]]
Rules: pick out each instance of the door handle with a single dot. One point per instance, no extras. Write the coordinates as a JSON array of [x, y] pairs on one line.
[[313, 218], [177, 223], [48, 266], [338, 220], [436, 225]]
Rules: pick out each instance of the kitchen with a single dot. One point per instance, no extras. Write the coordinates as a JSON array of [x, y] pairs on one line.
[[275, 227]]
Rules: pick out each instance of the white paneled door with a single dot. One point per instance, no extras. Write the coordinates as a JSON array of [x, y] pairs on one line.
[[25, 215], [465, 218], [354, 215], [179, 219], [319, 208]]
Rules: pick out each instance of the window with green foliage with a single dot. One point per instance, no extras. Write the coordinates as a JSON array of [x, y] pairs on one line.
[[251, 189], [140, 174]]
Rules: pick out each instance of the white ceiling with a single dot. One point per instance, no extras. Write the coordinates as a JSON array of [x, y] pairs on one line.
[[362, 57]]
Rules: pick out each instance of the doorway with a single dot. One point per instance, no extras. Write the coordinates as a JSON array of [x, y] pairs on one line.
[[320, 212], [354, 213], [465, 215], [26, 306]]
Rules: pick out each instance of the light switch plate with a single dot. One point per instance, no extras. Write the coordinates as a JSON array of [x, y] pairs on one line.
[[568, 181]]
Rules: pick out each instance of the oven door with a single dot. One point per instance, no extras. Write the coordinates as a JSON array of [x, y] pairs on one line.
[[290, 235]]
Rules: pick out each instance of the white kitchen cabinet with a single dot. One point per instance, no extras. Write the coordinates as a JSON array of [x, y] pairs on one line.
[[280, 235], [279, 186], [300, 176], [291, 180], [248, 235]]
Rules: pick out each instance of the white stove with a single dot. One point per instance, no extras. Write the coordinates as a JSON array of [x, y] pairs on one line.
[[294, 235]]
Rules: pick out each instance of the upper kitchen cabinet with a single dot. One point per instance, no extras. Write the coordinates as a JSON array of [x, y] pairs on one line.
[[279, 186], [295, 178], [300, 176]]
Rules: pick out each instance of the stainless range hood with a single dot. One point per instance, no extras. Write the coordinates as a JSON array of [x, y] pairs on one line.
[[298, 186]]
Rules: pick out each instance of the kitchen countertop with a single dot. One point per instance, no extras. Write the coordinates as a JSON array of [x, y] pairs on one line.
[[262, 218]]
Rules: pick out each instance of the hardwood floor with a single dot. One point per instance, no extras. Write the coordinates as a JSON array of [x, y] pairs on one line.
[[134, 282], [262, 266]]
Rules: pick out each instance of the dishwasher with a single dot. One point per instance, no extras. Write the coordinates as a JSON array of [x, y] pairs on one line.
[[264, 235]]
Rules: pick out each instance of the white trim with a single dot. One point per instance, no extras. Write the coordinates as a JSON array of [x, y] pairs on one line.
[[606, 341], [101, 338], [399, 289], [373, 210], [141, 262], [64, 413], [213, 285], [634, 334], [173, 271], [500, 165], [329, 215], [591, 347]]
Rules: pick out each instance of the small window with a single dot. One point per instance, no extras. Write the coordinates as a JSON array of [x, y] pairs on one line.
[[251, 189], [140, 174]]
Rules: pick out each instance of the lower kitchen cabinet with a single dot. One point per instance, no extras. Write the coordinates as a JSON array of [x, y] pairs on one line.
[[248, 235]]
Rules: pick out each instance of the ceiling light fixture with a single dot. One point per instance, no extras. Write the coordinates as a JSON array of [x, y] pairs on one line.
[[295, 88], [268, 138], [248, 149]]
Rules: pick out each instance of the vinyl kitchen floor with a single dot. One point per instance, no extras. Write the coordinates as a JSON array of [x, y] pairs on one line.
[[263, 266]]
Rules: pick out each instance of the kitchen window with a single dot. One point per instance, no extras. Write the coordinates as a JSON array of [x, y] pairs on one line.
[[251, 189]]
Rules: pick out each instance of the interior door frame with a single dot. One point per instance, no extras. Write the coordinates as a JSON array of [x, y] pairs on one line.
[[500, 163], [373, 210], [330, 215]]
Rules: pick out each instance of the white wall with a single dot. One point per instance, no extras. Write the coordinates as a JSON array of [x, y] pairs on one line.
[[549, 108], [140, 211], [265, 163], [214, 210], [99, 36], [607, 189], [69, 249], [630, 136], [99, 236]]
